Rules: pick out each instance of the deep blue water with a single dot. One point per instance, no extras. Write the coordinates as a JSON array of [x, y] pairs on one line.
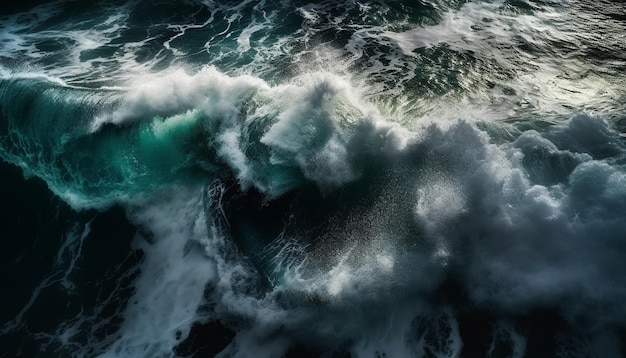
[[292, 178]]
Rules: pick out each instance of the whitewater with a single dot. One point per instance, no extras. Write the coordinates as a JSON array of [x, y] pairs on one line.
[[329, 179]]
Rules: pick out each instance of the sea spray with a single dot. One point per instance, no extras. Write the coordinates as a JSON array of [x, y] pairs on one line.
[[442, 179]]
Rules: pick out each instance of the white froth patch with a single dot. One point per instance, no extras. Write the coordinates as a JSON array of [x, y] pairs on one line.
[[385, 261], [306, 124], [338, 282], [518, 243], [173, 277], [244, 38], [528, 240], [351, 279], [440, 201], [178, 91], [308, 130], [453, 29], [521, 241]]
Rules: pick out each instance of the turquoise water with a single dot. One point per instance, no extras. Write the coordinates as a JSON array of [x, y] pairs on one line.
[[255, 178]]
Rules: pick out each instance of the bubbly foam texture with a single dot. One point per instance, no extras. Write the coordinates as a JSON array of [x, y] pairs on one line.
[[513, 243], [523, 227], [305, 124], [379, 204], [485, 218], [536, 221], [499, 60], [173, 276]]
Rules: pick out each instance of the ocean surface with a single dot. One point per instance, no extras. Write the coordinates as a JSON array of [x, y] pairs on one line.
[[313, 179]]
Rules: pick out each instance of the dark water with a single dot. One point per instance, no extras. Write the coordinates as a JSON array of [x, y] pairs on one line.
[[358, 178]]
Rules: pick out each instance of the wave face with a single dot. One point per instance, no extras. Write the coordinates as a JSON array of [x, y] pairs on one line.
[[262, 179]]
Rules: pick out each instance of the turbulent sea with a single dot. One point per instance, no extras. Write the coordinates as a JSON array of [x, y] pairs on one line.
[[313, 179]]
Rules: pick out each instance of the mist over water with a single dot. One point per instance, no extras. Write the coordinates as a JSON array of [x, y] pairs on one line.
[[363, 179]]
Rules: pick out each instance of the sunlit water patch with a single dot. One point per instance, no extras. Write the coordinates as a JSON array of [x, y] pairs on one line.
[[253, 178]]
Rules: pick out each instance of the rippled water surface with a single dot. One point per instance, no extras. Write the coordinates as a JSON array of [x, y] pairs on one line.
[[288, 178]]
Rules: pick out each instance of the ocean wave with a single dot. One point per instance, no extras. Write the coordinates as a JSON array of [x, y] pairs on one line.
[[288, 208], [382, 178]]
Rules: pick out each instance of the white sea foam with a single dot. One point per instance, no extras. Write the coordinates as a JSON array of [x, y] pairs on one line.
[[533, 218], [516, 239], [512, 222], [517, 217], [173, 276]]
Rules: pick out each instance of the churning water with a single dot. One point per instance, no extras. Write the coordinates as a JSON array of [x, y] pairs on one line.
[[284, 178]]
